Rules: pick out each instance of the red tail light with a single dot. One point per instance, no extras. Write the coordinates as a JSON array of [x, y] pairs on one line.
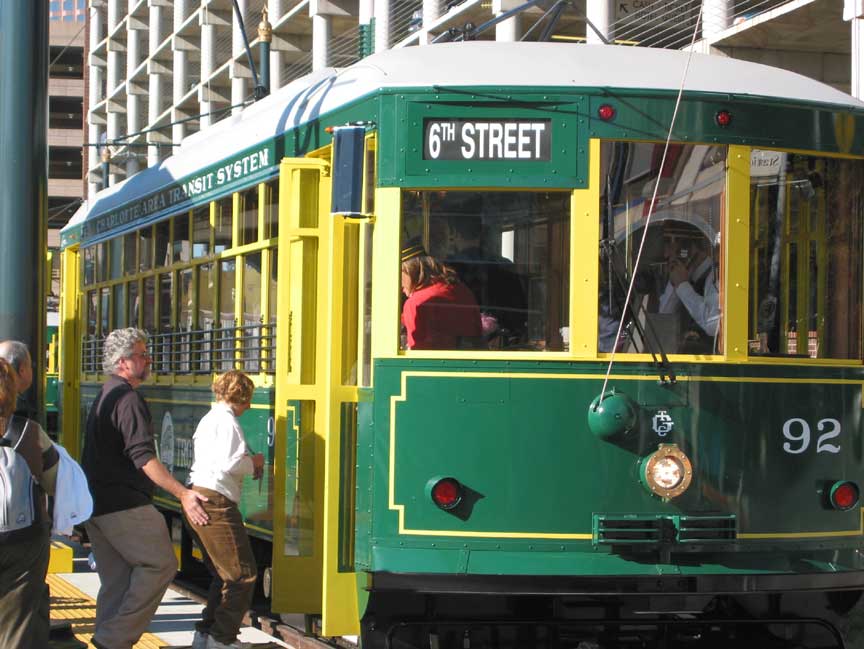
[[723, 118], [606, 112], [844, 495], [447, 493]]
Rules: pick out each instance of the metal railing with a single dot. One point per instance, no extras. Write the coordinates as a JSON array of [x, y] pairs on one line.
[[251, 348]]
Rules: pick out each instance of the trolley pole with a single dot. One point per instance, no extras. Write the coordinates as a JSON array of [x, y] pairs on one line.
[[24, 181]]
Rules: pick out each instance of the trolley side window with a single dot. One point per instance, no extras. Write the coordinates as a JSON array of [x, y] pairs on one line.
[[485, 270], [806, 215], [675, 304], [192, 287]]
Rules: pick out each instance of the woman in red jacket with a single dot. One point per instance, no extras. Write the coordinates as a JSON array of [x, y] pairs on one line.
[[440, 312]]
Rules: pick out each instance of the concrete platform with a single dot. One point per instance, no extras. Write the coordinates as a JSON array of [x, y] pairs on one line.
[[73, 598]]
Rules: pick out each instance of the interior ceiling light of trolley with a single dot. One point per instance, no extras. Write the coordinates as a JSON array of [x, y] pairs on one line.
[[665, 369]]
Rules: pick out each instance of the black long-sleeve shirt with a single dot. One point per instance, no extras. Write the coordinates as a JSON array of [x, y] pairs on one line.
[[118, 442]]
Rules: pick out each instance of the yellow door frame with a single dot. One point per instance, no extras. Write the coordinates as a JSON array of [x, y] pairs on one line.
[[309, 370], [71, 299]]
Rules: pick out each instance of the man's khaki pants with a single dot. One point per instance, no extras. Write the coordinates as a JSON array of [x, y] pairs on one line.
[[24, 617], [135, 561], [228, 556]]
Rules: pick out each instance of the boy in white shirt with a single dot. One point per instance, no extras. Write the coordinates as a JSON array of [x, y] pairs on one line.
[[222, 459]]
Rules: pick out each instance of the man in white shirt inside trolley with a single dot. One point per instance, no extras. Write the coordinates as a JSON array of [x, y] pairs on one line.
[[693, 284]]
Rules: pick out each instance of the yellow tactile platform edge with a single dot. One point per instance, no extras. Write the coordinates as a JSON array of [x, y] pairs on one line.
[[69, 603], [61, 557]]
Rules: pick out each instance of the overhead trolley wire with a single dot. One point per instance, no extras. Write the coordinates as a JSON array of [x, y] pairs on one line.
[[650, 213]]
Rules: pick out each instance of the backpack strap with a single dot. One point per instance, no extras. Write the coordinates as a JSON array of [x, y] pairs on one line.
[[14, 430], [27, 445]]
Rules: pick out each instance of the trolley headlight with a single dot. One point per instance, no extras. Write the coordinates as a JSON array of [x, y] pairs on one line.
[[667, 472]]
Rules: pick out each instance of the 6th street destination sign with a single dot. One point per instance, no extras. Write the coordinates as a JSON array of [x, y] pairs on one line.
[[487, 139]]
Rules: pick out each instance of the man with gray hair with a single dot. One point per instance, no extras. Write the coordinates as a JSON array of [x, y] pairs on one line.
[[17, 355], [134, 556]]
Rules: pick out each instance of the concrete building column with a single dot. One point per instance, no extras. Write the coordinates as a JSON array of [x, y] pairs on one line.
[[208, 64], [180, 69], [598, 12], [133, 100], [155, 31], [154, 108], [365, 14], [114, 71], [510, 29], [853, 12], [97, 78], [112, 134], [114, 14], [94, 134], [156, 82], [382, 25], [114, 75], [431, 13], [321, 24], [97, 25], [277, 57], [240, 74], [857, 25], [716, 17]]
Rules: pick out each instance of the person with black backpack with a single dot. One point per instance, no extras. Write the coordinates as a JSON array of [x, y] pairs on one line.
[[28, 471]]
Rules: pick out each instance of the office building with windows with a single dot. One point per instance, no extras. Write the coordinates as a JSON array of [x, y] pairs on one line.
[[68, 10], [65, 122]]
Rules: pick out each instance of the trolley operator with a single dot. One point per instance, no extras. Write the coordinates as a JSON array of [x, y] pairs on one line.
[[693, 285]]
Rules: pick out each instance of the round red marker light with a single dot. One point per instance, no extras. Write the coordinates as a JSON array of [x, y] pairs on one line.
[[844, 495], [723, 118], [606, 112], [447, 493]]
